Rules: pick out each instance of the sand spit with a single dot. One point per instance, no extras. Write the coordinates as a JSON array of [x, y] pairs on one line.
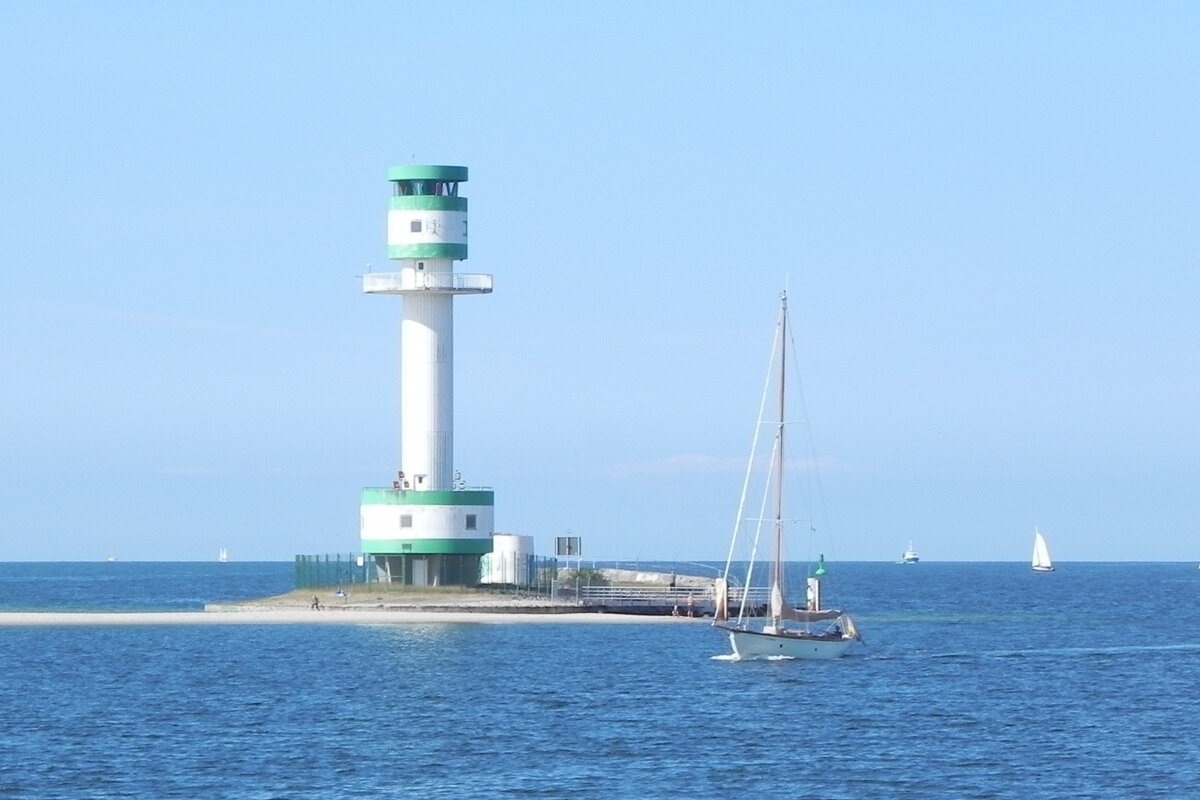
[[323, 617], [375, 606]]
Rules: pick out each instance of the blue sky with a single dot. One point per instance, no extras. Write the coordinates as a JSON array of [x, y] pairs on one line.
[[985, 214]]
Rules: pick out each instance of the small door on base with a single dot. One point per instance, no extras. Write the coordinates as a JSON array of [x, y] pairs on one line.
[[420, 572]]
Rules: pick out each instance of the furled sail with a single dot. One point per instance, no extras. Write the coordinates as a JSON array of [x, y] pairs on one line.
[[801, 615], [721, 599], [776, 601]]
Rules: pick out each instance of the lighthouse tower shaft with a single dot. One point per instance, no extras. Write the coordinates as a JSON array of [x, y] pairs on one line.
[[428, 513], [427, 387]]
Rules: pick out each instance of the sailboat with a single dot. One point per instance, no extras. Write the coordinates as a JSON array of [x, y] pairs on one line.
[[222, 555], [1041, 553], [910, 556], [781, 630]]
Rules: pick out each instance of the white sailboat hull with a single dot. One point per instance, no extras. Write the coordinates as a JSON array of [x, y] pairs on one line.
[[756, 644]]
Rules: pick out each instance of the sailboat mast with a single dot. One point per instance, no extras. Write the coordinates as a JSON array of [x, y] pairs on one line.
[[779, 435]]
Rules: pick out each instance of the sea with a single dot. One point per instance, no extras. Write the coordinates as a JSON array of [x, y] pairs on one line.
[[976, 680]]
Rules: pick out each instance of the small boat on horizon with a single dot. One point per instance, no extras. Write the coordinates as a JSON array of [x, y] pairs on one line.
[[1041, 553], [222, 555], [910, 556]]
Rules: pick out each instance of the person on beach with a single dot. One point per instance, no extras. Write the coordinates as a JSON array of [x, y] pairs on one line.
[[316, 604]]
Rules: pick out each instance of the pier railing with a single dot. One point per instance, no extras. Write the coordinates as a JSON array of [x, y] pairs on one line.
[[699, 601]]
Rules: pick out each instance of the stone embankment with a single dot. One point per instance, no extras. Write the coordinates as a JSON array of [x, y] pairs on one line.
[[358, 598], [620, 591]]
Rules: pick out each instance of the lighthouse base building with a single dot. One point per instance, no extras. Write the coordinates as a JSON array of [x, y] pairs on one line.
[[427, 538]]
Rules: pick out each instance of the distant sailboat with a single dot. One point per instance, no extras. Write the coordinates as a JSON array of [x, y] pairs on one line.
[[222, 555], [1041, 553]]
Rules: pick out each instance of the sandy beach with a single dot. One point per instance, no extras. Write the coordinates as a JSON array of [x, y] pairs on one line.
[[376, 605]]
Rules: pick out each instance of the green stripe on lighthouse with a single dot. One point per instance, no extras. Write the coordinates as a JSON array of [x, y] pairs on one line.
[[427, 202], [427, 172], [401, 497], [417, 547]]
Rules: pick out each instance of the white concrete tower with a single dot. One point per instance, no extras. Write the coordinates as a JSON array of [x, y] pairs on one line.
[[428, 529]]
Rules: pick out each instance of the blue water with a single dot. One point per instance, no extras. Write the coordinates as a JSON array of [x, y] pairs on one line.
[[977, 681], [137, 585]]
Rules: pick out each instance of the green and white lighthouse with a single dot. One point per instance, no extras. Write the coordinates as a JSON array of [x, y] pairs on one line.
[[429, 528]]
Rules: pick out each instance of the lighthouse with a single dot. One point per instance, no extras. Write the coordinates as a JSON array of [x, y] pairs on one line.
[[428, 528]]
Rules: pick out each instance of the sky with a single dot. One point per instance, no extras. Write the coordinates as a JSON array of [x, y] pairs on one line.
[[985, 216]]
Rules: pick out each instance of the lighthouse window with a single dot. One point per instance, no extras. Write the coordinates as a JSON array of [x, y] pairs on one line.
[[470, 522], [415, 226], [406, 520]]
